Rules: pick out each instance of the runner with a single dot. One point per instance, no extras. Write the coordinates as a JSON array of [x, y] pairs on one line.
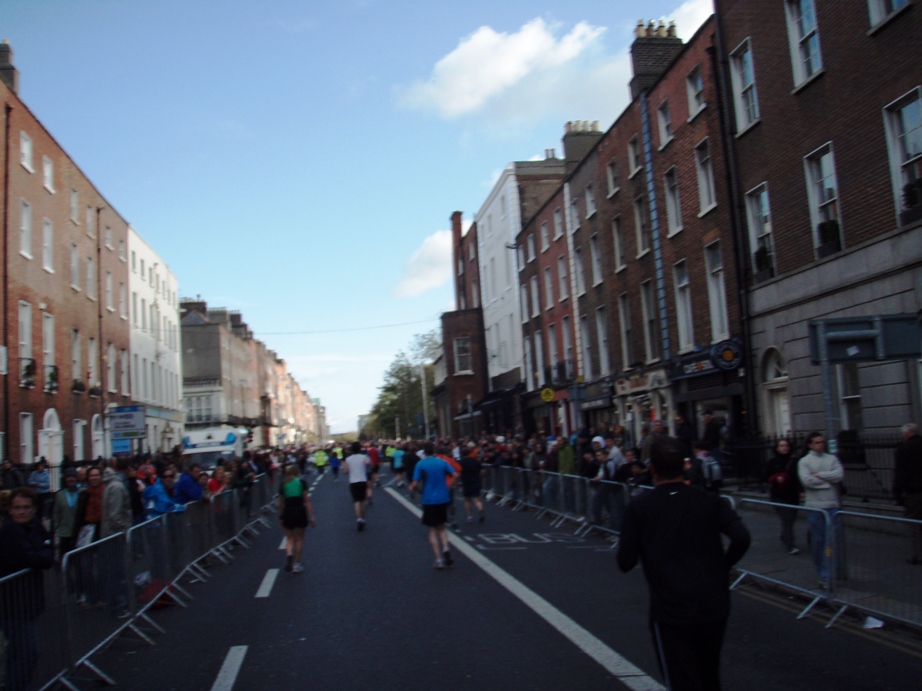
[[434, 474], [358, 464], [373, 481], [445, 455], [334, 466], [295, 513], [471, 484], [320, 460], [397, 464]]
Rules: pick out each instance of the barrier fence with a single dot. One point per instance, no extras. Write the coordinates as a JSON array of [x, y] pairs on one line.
[[858, 561], [53, 621]]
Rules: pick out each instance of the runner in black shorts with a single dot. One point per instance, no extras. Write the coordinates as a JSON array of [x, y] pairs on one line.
[[357, 465], [295, 514]]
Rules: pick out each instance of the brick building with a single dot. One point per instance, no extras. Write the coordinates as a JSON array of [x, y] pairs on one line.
[[825, 135], [65, 330]]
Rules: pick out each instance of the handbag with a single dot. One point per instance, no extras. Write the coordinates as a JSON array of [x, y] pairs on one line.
[[86, 535]]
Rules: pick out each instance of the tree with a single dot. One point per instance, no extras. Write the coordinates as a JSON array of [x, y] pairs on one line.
[[400, 399]]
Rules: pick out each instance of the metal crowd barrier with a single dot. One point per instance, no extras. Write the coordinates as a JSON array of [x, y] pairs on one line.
[[53, 621]]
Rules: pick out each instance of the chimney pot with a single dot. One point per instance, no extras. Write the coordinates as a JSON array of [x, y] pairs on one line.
[[8, 72], [568, 127], [639, 31]]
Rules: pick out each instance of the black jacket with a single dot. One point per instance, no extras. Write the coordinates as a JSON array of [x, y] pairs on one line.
[[25, 547], [787, 492], [675, 532], [907, 477]]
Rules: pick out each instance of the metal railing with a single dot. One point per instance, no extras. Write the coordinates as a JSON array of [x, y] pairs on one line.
[[54, 621]]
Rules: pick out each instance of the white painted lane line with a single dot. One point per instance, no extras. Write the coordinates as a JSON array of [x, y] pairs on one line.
[[229, 670], [268, 581], [627, 673], [282, 545]]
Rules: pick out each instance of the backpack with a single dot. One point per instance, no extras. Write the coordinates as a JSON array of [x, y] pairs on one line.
[[713, 473]]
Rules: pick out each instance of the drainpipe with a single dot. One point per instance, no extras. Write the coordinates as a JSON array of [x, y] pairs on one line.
[[6, 278], [719, 66], [100, 358]]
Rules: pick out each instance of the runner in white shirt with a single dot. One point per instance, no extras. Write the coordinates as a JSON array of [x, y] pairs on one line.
[[358, 465]]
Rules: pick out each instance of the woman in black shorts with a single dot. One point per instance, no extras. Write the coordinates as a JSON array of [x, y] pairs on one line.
[[295, 513]]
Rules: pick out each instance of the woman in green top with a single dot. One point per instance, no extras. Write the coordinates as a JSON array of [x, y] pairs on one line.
[[295, 513]]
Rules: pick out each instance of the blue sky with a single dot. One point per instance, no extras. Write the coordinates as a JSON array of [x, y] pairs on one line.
[[299, 161]]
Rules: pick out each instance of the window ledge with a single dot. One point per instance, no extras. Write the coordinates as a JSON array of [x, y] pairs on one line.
[[697, 113], [614, 192], [26, 255], [75, 288], [620, 268], [557, 237], [29, 168], [597, 283], [748, 127], [75, 221], [889, 18], [808, 81], [463, 373], [673, 233], [665, 143], [590, 215], [634, 172], [643, 254], [48, 269], [704, 212], [653, 361], [717, 339], [686, 350], [51, 190]]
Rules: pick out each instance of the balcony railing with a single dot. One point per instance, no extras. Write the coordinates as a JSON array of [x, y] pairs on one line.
[[51, 378], [27, 370]]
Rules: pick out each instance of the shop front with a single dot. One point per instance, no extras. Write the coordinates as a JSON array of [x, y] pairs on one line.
[[639, 400]]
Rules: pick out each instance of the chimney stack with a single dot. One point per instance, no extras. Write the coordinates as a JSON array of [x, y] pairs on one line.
[[579, 137], [8, 72], [654, 48]]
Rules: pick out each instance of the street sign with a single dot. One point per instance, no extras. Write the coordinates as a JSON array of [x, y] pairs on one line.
[[128, 422], [866, 339], [121, 447], [547, 394]]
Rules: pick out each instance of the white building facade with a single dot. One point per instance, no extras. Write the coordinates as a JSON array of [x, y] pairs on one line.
[[152, 301]]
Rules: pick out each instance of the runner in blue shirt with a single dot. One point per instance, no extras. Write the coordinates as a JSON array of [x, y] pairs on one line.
[[434, 473]]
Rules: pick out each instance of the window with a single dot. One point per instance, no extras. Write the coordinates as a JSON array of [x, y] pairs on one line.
[[26, 454], [107, 236], [548, 288], [823, 194], [111, 365], [882, 9], [743, 77], [804, 39], [121, 250], [650, 332], [25, 228], [47, 245], [110, 305], [74, 206], [588, 372], [664, 118], [633, 155], [134, 258], [706, 197], [48, 173], [759, 220], [590, 201], [524, 292], [611, 177], [144, 381], [122, 301], [562, 277], [552, 344], [92, 361], [545, 237], [673, 206], [90, 221], [74, 267], [134, 308], [502, 206], [558, 223], [903, 121], [574, 215], [135, 378], [601, 329], [641, 226], [580, 269], [595, 255], [717, 298], [531, 248], [535, 296], [48, 351], [529, 365], [25, 158], [520, 254], [539, 359], [123, 364], [91, 278], [460, 267], [567, 346], [849, 396], [143, 314], [76, 361], [470, 253], [618, 239], [683, 305], [624, 320], [694, 85], [25, 338], [142, 269]]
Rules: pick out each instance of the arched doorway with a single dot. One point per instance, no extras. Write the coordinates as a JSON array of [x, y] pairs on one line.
[[99, 437], [775, 393], [51, 438]]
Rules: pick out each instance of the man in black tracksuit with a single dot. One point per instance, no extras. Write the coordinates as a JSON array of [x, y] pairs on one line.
[[675, 531]]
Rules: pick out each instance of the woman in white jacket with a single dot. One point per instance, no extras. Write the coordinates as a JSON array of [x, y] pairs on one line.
[[821, 475]]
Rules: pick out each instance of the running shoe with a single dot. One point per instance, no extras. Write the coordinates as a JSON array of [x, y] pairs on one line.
[[360, 524], [297, 568], [793, 550], [470, 519], [439, 564], [482, 517], [289, 560], [446, 555]]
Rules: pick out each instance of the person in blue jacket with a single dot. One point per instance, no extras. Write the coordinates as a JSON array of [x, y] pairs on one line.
[[188, 487], [159, 498]]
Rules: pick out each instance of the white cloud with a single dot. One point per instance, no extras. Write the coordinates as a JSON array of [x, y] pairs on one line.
[[487, 63], [690, 15], [429, 266]]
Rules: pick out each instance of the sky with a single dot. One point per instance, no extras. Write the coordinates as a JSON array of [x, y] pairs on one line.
[[300, 161]]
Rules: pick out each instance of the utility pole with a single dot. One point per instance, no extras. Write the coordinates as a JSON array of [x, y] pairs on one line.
[[397, 427], [422, 377]]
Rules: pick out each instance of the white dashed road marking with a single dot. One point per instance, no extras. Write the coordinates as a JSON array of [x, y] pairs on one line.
[[268, 581], [626, 672], [229, 670], [282, 545]]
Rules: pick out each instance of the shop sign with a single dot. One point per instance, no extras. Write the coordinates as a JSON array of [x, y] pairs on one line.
[[127, 422], [603, 402], [727, 355], [632, 384], [547, 394]]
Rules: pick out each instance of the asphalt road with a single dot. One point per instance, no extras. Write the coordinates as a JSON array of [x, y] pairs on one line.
[[525, 606]]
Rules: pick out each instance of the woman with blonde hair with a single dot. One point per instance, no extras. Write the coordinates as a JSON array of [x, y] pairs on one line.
[[295, 513]]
